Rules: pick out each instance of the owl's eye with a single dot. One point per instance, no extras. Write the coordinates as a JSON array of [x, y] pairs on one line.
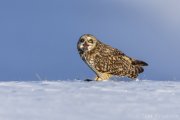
[[82, 40], [90, 41]]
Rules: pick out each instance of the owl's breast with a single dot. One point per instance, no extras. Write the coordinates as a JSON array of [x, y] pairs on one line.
[[89, 59]]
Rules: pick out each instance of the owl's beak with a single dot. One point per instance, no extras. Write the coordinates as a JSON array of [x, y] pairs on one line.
[[85, 45]]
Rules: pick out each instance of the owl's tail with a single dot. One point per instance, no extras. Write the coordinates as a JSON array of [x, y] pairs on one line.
[[138, 68], [139, 63]]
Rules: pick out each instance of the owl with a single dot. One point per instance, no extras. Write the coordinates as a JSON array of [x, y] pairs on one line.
[[106, 61]]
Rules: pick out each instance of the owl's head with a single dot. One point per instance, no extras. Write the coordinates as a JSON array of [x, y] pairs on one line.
[[87, 42]]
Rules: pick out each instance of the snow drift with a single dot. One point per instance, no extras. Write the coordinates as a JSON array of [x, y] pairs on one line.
[[79, 100]]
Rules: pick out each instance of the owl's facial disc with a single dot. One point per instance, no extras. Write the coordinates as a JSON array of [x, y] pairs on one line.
[[86, 43]]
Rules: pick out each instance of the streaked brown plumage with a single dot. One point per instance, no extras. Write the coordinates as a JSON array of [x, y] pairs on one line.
[[106, 61]]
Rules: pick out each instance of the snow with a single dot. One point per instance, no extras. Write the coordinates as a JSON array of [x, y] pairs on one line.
[[79, 100]]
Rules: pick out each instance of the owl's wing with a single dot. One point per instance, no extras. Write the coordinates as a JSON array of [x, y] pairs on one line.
[[112, 61]]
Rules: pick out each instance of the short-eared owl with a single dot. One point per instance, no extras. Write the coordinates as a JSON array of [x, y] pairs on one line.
[[107, 61]]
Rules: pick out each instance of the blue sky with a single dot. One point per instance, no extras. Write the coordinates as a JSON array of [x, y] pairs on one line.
[[38, 37]]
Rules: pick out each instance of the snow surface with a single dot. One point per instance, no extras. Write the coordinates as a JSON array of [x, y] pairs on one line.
[[79, 100]]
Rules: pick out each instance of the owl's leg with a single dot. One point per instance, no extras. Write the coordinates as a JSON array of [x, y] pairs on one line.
[[103, 76], [97, 78]]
